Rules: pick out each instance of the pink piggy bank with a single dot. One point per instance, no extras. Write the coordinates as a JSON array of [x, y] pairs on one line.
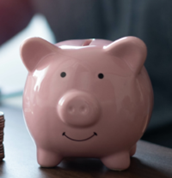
[[86, 98]]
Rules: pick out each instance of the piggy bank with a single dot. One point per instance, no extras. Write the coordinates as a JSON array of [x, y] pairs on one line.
[[86, 98]]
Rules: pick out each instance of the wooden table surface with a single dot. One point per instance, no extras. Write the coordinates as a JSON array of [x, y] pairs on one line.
[[150, 160]]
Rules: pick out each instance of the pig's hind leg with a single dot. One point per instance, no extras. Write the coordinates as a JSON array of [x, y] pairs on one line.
[[118, 162], [47, 159]]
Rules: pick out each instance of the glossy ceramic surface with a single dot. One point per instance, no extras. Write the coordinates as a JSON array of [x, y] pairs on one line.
[[86, 98]]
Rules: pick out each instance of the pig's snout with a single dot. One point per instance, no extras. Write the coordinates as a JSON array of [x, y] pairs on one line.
[[78, 109]]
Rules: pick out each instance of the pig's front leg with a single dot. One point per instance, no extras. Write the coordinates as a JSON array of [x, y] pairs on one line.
[[47, 159], [118, 162]]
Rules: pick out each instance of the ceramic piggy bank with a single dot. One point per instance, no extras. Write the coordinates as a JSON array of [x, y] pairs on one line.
[[86, 98]]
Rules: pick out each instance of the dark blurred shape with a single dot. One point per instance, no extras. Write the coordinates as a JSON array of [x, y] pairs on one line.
[[14, 16], [161, 136]]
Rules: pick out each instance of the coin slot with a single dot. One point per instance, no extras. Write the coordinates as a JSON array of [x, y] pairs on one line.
[[87, 42]]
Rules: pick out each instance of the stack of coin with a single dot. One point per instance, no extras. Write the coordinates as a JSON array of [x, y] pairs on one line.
[[2, 120]]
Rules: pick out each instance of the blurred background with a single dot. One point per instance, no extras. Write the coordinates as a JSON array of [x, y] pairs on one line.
[[12, 71], [58, 20]]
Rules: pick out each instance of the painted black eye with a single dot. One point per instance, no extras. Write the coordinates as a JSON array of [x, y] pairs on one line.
[[101, 76], [63, 74]]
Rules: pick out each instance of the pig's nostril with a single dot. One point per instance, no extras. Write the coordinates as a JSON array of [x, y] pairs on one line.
[[83, 110], [71, 109]]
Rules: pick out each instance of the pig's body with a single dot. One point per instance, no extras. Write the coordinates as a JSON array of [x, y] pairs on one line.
[[86, 98]]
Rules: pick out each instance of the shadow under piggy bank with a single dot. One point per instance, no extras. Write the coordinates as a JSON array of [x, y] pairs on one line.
[[89, 167]]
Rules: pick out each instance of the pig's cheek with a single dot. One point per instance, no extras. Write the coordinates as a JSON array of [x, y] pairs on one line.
[[29, 94], [46, 96]]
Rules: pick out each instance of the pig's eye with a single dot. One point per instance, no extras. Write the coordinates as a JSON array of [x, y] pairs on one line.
[[63, 74], [100, 75]]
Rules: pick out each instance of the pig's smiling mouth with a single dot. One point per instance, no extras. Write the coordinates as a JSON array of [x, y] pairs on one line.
[[94, 134]]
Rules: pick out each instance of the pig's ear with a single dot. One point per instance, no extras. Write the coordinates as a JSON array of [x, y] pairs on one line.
[[130, 49], [33, 50]]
